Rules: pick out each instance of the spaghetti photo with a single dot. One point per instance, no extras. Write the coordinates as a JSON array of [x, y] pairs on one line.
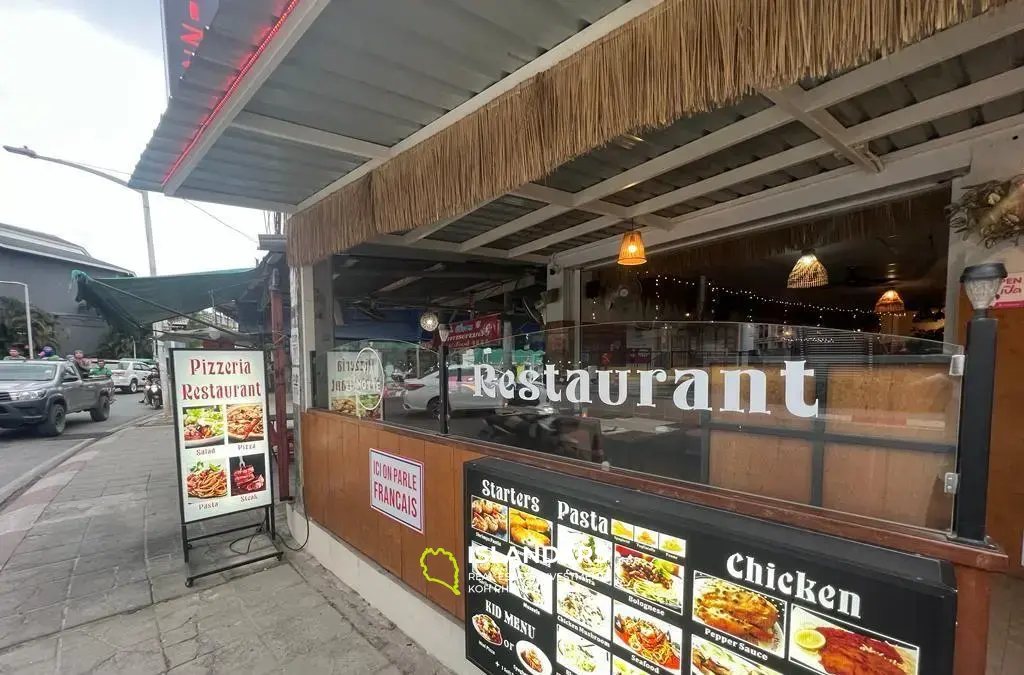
[[207, 480]]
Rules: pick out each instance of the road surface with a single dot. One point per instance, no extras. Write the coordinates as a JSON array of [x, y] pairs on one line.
[[22, 450]]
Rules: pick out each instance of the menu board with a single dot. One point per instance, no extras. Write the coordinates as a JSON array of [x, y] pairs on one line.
[[570, 576], [220, 412]]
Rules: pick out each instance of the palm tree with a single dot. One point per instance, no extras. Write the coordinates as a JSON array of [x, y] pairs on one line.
[[46, 329]]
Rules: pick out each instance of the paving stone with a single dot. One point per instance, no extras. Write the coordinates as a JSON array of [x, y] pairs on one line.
[[100, 605], [21, 561], [12, 581], [18, 628], [32, 597], [37, 654]]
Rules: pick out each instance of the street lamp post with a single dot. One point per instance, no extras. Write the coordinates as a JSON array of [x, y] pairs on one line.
[[28, 315], [26, 151]]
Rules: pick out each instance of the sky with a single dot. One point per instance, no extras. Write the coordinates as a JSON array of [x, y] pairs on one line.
[[84, 80]]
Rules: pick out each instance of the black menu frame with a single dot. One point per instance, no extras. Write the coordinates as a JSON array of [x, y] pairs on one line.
[[893, 602]]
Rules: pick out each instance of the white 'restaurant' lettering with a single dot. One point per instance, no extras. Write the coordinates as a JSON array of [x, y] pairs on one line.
[[795, 585], [692, 390]]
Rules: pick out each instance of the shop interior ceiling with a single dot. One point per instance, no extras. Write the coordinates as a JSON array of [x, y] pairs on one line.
[[351, 84], [901, 244], [374, 277]]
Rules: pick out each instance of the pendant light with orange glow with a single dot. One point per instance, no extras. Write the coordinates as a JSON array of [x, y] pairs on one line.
[[890, 303], [631, 251], [808, 272]]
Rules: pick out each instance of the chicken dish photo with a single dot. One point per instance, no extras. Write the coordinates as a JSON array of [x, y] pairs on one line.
[[740, 612]]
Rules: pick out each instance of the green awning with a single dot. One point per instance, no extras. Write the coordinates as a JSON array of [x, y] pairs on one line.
[[135, 303]]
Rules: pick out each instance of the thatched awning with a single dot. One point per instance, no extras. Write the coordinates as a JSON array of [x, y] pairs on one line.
[[679, 59]]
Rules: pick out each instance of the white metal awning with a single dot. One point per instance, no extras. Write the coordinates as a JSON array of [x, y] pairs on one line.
[[345, 85]]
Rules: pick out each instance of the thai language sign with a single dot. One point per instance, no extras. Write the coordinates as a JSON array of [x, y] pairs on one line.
[[356, 382], [473, 332], [567, 576], [396, 488], [220, 410]]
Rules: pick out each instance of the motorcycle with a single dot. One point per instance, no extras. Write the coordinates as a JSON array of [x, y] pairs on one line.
[[154, 394], [542, 429]]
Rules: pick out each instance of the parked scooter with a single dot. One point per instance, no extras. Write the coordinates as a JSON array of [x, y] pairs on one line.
[[542, 429]]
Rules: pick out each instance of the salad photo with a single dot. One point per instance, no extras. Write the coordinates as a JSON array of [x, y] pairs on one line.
[[203, 426]]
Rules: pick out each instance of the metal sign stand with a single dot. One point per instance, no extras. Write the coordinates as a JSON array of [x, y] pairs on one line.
[[267, 525]]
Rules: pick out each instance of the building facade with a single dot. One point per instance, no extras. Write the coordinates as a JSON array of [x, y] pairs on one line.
[[45, 262]]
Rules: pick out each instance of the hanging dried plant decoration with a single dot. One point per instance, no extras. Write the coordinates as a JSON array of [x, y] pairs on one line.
[[992, 212]]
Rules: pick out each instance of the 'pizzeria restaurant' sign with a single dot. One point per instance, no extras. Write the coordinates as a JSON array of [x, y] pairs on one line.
[[692, 387]]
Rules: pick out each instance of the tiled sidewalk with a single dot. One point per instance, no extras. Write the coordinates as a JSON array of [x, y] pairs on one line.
[[92, 581]]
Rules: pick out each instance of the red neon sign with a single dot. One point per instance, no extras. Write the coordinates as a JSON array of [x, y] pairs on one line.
[[235, 83]]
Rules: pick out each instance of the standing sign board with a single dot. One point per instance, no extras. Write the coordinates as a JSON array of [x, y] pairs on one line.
[[220, 415], [574, 577], [1011, 293]]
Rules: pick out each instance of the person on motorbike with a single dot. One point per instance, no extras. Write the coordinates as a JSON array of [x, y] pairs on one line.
[[154, 376]]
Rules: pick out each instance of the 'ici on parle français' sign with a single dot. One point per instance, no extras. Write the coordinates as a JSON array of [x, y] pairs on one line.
[[692, 392]]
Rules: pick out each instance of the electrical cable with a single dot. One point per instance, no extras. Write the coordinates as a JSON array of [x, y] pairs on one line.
[[230, 227]]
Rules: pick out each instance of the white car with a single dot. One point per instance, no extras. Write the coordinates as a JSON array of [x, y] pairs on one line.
[[129, 375], [424, 394]]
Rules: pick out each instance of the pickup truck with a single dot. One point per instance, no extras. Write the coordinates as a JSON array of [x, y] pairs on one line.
[[42, 394]]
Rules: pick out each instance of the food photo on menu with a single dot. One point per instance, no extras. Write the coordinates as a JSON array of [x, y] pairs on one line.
[[206, 479], [708, 658], [833, 647], [531, 584], [673, 545], [653, 640], [489, 517], [584, 606], [489, 565], [580, 655], [621, 666], [622, 529], [526, 529], [646, 537], [648, 577], [487, 628], [756, 618], [245, 422], [203, 426], [585, 553], [248, 474], [532, 658]]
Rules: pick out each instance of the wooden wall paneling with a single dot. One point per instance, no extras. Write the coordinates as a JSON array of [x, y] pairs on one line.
[[334, 475], [389, 531], [443, 520], [762, 465], [414, 543], [460, 456], [313, 453], [972, 620], [350, 442], [368, 540], [898, 485], [912, 401], [1006, 490]]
